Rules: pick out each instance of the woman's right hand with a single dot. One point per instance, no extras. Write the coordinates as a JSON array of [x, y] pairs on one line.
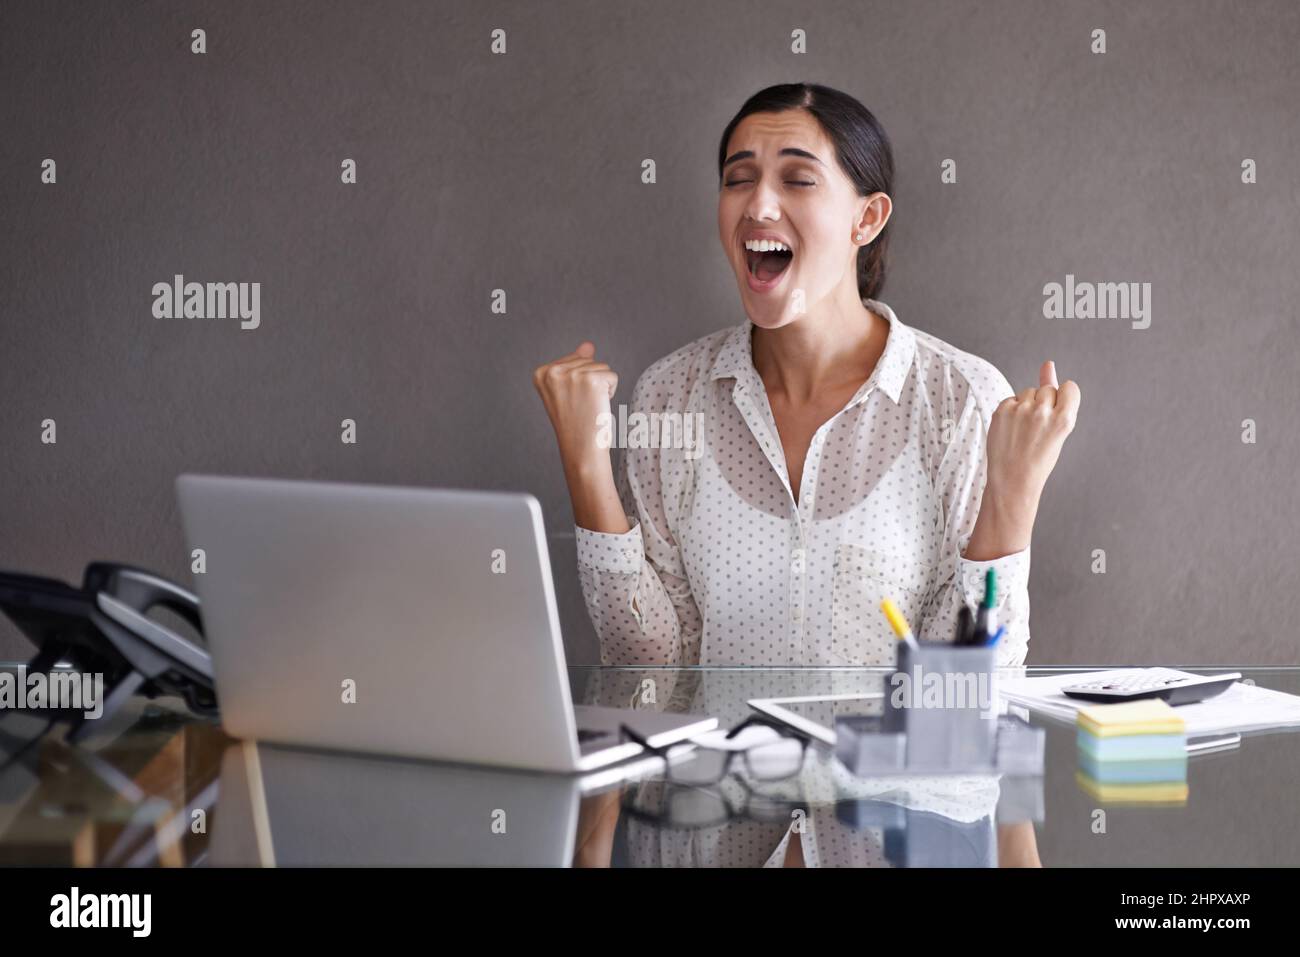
[[576, 390]]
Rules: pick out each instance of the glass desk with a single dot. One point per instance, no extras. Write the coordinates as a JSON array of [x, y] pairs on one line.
[[157, 787]]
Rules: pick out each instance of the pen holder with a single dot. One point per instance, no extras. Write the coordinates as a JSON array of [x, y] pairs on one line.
[[940, 715], [943, 700]]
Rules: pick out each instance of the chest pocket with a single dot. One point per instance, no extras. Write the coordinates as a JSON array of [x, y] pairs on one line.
[[864, 577]]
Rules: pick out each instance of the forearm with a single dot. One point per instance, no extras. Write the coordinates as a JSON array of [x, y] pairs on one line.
[[597, 822], [596, 505], [1018, 845], [1004, 526]]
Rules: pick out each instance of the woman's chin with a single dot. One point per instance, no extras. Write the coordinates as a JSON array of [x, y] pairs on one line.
[[769, 310], [767, 316]]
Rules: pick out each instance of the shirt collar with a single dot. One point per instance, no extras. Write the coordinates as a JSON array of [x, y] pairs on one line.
[[736, 357]]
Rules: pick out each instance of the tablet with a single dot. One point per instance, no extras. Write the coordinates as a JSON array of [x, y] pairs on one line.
[[814, 715]]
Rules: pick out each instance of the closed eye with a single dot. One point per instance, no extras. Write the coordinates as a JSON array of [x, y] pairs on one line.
[[792, 182]]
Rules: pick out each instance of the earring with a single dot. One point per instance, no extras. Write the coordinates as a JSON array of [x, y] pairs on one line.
[[858, 237]]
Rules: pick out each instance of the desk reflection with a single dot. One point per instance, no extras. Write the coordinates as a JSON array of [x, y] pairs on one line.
[[282, 806], [290, 807], [837, 818]]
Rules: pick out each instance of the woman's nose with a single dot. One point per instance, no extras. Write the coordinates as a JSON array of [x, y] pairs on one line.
[[762, 203]]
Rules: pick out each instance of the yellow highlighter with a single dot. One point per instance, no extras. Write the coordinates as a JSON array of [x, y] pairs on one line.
[[901, 628]]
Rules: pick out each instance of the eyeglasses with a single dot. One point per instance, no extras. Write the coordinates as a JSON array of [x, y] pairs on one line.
[[771, 752], [669, 804]]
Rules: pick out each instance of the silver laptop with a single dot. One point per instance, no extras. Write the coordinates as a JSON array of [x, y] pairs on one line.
[[401, 621]]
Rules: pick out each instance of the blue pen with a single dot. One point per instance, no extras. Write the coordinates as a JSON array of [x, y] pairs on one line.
[[996, 635]]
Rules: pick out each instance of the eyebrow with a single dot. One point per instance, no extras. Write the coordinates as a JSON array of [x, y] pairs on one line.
[[788, 151]]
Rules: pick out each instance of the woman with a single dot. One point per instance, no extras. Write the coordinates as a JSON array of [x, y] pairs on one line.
[[845, 457]]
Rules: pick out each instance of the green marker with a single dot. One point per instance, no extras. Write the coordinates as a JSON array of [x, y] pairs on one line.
[[986, 619]]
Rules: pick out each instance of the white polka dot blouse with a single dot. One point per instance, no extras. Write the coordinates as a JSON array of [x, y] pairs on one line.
[[723, 566]]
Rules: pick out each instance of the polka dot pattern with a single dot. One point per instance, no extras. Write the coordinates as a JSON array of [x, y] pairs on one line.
[[724, 566]]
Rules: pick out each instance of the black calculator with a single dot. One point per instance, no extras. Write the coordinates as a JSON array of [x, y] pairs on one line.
[[1175, 687]]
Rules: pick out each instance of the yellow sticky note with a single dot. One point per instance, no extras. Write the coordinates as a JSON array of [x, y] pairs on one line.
[[1173, 793], [1148, 716]]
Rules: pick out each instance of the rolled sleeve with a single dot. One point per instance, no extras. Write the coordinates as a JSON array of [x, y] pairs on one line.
[[1012, 574], [619, 554]]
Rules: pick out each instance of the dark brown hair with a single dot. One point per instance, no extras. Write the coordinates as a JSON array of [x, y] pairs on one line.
[[861, 147]]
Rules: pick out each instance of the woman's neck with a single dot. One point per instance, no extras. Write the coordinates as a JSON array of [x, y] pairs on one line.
[[819, 352]]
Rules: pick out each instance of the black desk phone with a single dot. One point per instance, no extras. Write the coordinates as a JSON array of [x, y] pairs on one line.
[[102, 627]]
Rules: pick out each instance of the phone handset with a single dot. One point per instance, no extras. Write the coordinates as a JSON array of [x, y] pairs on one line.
[[103, 628], [123, 596]]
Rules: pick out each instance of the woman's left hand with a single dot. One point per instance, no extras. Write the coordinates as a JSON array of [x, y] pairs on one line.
[[1025, 440]]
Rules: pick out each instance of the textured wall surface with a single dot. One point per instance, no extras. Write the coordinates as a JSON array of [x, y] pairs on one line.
[[522, 172]]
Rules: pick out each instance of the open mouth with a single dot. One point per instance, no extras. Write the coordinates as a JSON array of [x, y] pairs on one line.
[[768, 266]]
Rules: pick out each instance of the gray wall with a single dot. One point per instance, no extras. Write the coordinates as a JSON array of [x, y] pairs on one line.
[[522, 172]]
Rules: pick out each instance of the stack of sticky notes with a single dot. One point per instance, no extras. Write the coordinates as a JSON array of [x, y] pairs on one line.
[[1133, 753]]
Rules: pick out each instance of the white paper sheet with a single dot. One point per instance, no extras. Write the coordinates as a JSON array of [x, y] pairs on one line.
[[1242, 708]]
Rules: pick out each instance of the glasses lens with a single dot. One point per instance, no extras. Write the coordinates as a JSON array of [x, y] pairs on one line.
[[777, 759], [697, 808], [704, 766], [759, 808]]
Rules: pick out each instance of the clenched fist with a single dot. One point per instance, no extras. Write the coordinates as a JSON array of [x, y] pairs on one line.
[[1027, 433], [1025, 440], [576, 390]]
